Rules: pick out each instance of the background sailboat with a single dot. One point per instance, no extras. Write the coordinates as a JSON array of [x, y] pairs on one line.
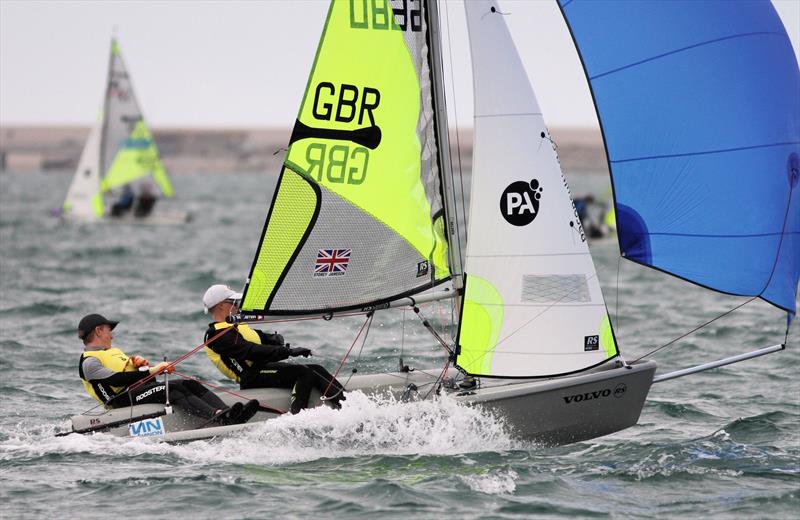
[[120, 151]]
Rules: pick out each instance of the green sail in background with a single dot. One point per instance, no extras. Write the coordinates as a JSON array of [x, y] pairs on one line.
[[128, 151], [137, 157], [119, 151], [356, 217]]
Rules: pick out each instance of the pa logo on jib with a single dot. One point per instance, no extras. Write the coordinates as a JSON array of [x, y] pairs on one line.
[[519, 203]]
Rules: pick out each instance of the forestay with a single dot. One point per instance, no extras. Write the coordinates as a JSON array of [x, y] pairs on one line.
[[128, 150], [533, 305], [700, 111], [356, 219]]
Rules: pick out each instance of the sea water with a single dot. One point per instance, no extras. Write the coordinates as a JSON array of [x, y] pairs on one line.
[[723, 443]]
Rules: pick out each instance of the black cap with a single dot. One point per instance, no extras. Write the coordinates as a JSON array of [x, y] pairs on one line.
[[90, 321]]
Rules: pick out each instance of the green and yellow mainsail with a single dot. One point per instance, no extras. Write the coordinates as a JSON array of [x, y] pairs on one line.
[[356, 219], [128, 151], [120, 149], [532, 304]]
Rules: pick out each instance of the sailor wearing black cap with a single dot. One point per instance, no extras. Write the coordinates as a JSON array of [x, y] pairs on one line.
[[107, 372]]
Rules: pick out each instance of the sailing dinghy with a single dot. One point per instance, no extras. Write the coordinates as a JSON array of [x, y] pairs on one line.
[[364, 218], [120, 152]]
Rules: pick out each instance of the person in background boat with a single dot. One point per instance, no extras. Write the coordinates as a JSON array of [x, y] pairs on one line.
[[252, 357], [124, 203], [591, 214], [107, 372], [582, 206], [145, 201]]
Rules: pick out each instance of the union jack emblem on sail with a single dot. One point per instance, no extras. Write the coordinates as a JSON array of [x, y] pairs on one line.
[[332, 262]]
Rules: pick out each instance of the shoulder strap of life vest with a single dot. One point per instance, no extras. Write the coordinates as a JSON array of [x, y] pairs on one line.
[[113, 359], [230, 367]]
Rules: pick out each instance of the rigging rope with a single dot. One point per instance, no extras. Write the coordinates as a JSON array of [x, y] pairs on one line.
[[326, 317], [437, 385], [178, 359], [402, 339], [355, 369], [433, 332], [458, 143], [129, 391], [150, 377], [367, 324], [665, 345], [339, 368], [616, 297], [788, 324]]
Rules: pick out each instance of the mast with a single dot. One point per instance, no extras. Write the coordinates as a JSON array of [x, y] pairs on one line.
[[443, 137], [104, 115]]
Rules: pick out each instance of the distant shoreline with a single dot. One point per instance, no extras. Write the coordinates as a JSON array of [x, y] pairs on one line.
[[27, 148]]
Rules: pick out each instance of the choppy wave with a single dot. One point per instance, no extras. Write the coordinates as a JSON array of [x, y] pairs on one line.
[[720, 443], [494, 483], [760, 427], [364, 426]]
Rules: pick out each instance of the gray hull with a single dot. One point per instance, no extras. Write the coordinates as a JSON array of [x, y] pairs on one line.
[[553, 411]]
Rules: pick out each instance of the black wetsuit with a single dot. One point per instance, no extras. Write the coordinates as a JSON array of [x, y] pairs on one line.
[[144, 205], [185, 394], [265, 370], [124, 204]]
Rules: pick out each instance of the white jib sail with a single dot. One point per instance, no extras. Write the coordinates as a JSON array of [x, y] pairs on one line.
[[533, 305], [84, 201]]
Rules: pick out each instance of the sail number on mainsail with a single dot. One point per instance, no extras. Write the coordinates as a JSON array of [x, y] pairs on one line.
[[369, 15]]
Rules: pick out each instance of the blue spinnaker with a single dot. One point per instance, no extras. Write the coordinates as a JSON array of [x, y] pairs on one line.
[[699, 104]]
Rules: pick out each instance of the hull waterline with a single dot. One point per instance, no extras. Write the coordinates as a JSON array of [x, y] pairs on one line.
[[552, 411]]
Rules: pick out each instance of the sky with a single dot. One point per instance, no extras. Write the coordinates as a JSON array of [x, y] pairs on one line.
[[243, 63]]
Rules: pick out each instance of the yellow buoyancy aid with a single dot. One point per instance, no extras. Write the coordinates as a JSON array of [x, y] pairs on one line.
[[113, 359], [229, 366]]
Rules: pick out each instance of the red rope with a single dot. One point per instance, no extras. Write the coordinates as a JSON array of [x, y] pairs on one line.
[[231, 392], [341, 363], [446, 368], [190, 353], [177, 360], [442, 319]]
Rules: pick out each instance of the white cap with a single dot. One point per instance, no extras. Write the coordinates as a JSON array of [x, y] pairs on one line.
[[218, 293]]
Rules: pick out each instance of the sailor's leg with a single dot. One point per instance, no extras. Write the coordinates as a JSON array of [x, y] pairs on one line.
[[202, 393], [178, 395], [304, 381], [189, 395], [152, 392], [285, 375]]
